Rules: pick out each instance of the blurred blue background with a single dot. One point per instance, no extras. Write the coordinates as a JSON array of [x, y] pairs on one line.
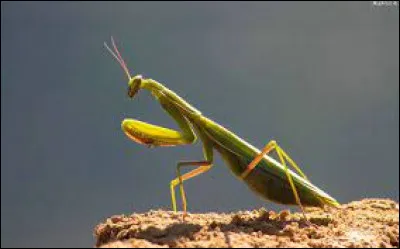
[[320, 78]]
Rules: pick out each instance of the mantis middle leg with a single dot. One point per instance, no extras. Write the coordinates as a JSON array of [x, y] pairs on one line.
[[203, 166]]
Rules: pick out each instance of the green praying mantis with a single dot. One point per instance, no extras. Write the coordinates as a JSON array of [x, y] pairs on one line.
[[264, 175]]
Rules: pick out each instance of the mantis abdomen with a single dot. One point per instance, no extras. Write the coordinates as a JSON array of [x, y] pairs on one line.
[[268, 179]]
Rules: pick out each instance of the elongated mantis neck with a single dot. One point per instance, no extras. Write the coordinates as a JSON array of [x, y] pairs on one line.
[[159, 90]]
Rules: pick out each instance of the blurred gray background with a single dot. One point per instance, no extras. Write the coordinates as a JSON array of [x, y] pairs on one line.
[[320, 78]]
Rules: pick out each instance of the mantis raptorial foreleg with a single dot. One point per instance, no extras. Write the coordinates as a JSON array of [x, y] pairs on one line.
[[283, 157], [154, 135]]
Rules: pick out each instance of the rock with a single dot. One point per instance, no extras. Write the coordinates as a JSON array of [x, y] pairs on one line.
[[366, 223]]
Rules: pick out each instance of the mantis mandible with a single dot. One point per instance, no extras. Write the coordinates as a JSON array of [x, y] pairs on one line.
[[270, 179]]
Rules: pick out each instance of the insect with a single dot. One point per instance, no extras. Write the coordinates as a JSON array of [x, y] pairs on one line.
[[264, 175]]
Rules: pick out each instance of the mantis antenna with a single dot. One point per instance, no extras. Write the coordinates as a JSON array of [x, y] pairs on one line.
[[118, 57]]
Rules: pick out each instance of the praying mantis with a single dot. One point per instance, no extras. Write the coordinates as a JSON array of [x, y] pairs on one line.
[[264, 175]]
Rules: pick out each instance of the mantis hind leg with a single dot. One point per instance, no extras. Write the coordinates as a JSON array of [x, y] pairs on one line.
[[283, 157]]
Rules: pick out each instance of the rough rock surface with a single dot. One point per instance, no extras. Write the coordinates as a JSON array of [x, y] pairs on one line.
[[365, 223]]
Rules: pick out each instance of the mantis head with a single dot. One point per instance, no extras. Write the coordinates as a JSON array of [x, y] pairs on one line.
[[134, 83]]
